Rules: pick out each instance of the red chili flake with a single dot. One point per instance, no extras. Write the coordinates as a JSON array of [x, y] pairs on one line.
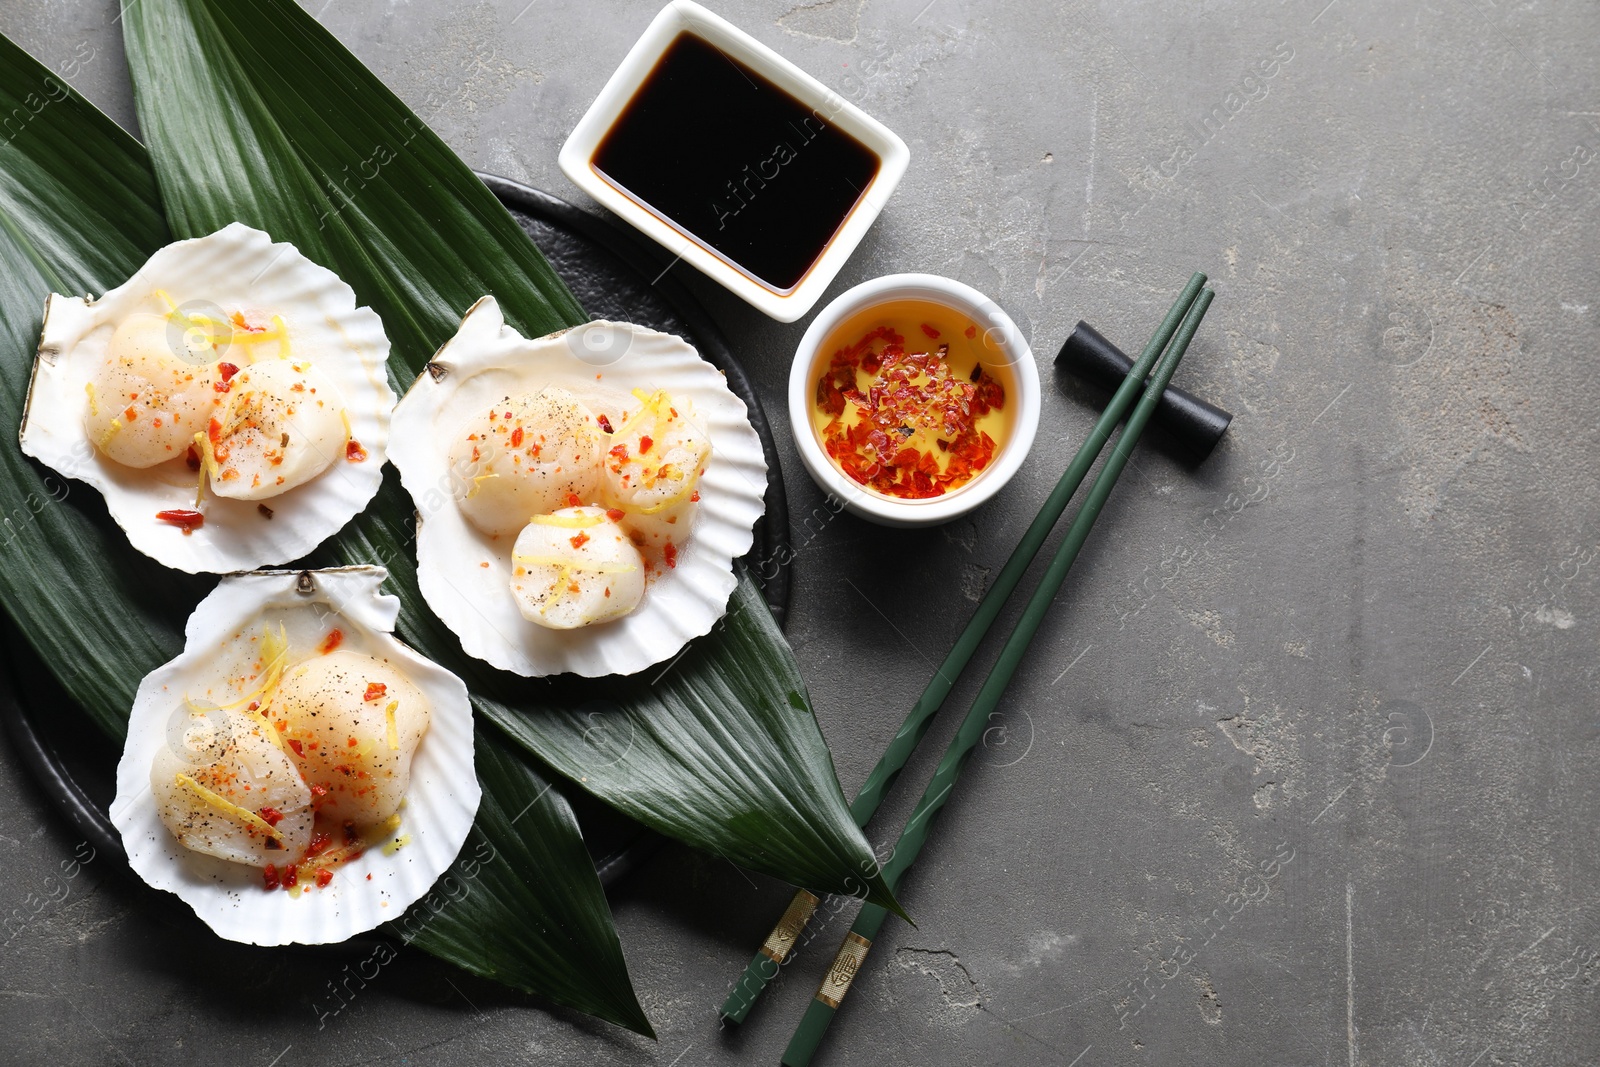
[[615, 514], [694, 497], [192, 458], [270, 816], [214, 431], [319, 844], [269, 876], [334, 639], [605, 423], [574, 500], [914, 416], [298, 749], [579, 539], [324, 876], [354, 452], [971, 332], [375, 691], [291, 876], [670, 554], [621, 452], [644, 445], [929, 330], [227, 370], [319, 790], [183, 518], [516, 437]]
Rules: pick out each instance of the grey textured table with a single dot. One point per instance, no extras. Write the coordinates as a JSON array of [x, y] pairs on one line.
[[1302, 769]]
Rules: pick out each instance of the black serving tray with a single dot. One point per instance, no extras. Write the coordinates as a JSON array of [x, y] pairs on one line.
[[614, 275]]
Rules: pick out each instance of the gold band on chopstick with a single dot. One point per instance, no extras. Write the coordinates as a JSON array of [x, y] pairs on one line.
[[783, 937], [836, 983]]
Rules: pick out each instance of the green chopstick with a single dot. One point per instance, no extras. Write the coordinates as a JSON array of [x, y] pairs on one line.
[[785, 935], [819, 1013]]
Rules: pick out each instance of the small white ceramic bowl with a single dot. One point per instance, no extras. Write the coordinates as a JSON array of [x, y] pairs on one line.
[[987, 315], [577, 155]]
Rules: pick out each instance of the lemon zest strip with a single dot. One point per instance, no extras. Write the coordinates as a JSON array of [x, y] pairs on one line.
[[570, 522], [209, 467], [657, 404], [244, 815], [559, 593], [567, 565], [368, 837], [390, 729], [275, 651], [227, 329], [477, 483], [242, 409], [283, 336], [689, 486], [650, 404]]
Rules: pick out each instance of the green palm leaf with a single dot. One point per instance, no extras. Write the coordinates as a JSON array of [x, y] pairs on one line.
[[79, 213], [102, 617], [254, 113], [522, 903]]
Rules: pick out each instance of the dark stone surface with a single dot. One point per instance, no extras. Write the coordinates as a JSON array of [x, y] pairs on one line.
[[1362, 634]]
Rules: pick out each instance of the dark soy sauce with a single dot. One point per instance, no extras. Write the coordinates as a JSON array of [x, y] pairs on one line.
[[737, 163]]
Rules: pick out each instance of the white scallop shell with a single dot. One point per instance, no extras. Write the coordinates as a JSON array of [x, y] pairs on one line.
[[236, 268], [600, 362], [440, 805]]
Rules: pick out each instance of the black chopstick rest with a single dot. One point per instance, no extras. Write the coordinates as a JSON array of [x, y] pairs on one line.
[[1194, 425]]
